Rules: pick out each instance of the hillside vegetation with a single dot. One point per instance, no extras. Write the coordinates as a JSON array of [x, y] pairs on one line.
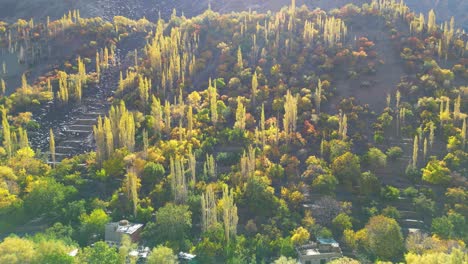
[[236, 137]]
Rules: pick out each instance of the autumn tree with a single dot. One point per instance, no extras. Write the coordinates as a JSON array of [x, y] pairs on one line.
[[16, 250], [240, 115], [254, 87], [290, 115], [52, 146], [230, 218], [436, 172], [178, 179], [347, 169], [208, 208], [212, 96], [7, 141]]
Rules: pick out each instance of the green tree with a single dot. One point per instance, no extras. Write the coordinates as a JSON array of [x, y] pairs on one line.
[[162, 255], [285, 260], [53, 251], [342, 222], [93, 224], [369, 183], [259, 197], [442, 227], [100, 253], [152, 173], [391, 212], [325, 183], [47, 196], [172, 225], [424, 206], [375, 159], [384, 237]]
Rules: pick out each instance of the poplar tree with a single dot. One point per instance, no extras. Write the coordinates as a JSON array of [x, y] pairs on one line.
[[431, 22], [456, 110], [415, 152], [398, 99], [213, 95], [81, 70], [7, 141], [343, 126], [209, 167], [262, 126], [99, 138], [230, 217], [156, 113], [247, 163], [463, 132], [3, 86], [178, 182], [127, 131], [23, 138], [98, 66], [167, 117], [425, 149], [290, 115], [145, 143], [318, 95], [431, 134], [240, 61], [63, 87], [193, 167], [143, 89], [240, 115], [190, 121], [254, 87], [132, 183], [52, 146], [49, 86], [208, 204], [109, 137], [24, 82]]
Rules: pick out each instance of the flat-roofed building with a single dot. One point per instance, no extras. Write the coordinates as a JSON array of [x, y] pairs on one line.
[[115, 230], [320, 252]]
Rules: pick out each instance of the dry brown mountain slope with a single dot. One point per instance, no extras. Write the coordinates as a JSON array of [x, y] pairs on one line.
[[13, 9]]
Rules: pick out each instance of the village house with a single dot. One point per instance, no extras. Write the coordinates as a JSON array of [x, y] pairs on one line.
[[320, 252], [115, 230]]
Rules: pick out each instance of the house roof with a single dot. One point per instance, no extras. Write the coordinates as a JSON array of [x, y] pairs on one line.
[[128, 229], [328, 241]]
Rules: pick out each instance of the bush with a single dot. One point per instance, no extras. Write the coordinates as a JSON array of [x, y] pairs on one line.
[[390, 193], [394, 153], [227, 158], [391, 212], [410, 192]]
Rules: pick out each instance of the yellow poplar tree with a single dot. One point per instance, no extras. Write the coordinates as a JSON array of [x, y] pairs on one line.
[[52, 146]]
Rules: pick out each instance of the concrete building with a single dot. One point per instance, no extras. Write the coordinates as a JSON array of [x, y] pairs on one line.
[[321, 252], [115, 230]]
